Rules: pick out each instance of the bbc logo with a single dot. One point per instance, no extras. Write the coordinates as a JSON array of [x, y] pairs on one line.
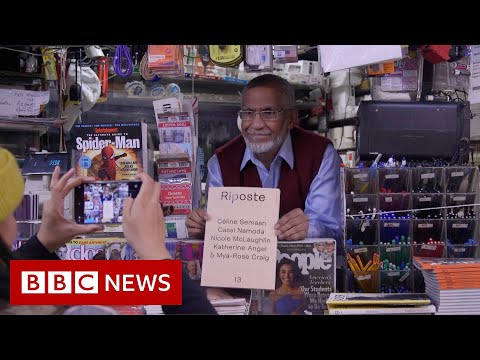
[[129, 282], [59, 282]]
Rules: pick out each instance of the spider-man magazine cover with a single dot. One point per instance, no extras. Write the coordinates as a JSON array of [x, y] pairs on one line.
[[110, 151]]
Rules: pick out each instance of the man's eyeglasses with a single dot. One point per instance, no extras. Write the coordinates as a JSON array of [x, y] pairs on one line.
[[266, 115]]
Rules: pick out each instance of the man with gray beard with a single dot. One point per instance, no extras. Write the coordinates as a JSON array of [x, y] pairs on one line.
[[272, 152]]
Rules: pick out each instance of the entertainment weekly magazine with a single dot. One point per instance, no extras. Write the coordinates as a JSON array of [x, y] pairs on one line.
[[109, 151]]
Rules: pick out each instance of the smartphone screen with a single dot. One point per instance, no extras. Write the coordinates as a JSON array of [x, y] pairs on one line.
[[101, 202]]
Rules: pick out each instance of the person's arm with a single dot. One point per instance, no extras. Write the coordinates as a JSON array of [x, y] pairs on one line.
[[323, 205], [33, 249], [194, 300], [144, 229]]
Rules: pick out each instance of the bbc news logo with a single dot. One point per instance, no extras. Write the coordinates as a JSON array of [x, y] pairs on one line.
[[77, 282]]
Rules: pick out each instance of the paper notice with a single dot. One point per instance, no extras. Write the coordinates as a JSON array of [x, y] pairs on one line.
[[14, 102]]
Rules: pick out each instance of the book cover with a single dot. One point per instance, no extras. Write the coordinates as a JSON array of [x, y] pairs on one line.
[[240, 242], [110, 151], [305, 277]]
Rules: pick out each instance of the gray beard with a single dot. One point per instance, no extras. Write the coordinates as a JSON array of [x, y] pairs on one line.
[[264, 146]]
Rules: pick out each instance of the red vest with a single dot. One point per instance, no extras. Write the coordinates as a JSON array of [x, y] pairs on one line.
[[294, 184]]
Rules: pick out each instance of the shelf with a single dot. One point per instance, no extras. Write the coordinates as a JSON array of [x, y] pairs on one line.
[[29, 124], [342, 122], [21, 79], [4, 73], [214, 84]]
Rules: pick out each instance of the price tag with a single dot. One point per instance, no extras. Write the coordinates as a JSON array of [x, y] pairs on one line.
[[393, 273], [360, 176], [393, 249], [394, 224], [364, 277], [392, 176]]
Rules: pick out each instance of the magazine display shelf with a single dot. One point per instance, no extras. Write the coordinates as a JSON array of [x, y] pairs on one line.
[[406, 222]]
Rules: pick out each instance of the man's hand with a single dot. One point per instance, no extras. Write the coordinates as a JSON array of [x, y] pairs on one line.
[[55, 229], [292, 226], [196, 223], [143, 221]]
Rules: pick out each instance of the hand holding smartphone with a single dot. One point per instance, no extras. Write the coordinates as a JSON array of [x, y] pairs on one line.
[[101, 202]]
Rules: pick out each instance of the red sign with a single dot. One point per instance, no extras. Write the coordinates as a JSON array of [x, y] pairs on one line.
[[126, 282]]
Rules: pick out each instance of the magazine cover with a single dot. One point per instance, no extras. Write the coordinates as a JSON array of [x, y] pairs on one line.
[[305, 277], [128, 253], [110, 151], [84, 249], [191, 254], [115, 250]]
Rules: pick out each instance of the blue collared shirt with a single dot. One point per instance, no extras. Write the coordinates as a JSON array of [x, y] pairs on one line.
[[323, 205]]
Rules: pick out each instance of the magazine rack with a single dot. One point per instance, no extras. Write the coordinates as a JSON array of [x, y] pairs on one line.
[[406, 222]]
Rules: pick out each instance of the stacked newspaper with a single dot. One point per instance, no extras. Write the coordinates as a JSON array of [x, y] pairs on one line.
[[453, 284], [225, 303], [153, 310], [229, 301]]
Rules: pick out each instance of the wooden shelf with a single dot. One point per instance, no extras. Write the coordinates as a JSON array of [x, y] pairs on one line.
[[29, 124], [4, 73], [21, 79]]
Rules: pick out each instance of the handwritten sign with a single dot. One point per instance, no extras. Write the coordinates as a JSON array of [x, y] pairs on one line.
[[15, 102]]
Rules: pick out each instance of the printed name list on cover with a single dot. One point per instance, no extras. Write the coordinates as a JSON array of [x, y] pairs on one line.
[[240, 242]]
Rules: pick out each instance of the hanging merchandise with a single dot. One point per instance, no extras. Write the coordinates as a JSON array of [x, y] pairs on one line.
[[436, 53], [258, 58], [226, 55], [122, 53], [165, 59], [381, 69], [75, 92], [49, 64], [203, 66], [90, 92], [102, 73], [285, 53]]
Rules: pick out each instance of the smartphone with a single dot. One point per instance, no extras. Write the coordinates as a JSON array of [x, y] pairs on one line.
[[101, 202]]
